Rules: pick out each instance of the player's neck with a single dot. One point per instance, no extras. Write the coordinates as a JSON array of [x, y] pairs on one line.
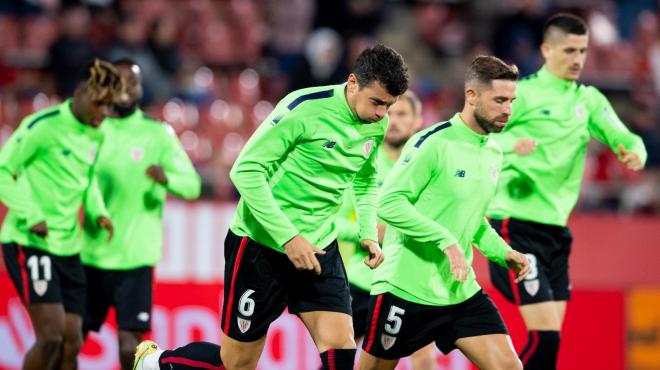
[[468, 118], [393, 152], [77, 113]]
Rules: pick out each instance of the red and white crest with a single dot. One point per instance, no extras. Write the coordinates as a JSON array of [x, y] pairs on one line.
[[137, 154], [532, 287], [368, 145], [243, 325], [494, 173], [40, 287], [92, 154], [387, 341]]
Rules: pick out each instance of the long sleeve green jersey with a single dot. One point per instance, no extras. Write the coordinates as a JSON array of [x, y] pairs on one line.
[[294, 170], [45, 171], [348, 228], [435, 196], [134, 200], [561, 116]]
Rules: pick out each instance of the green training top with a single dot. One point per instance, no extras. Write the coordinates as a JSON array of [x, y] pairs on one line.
[[435, 196], [293, 171], [348, 228], [45, 169], [561, 116], [135, 201]]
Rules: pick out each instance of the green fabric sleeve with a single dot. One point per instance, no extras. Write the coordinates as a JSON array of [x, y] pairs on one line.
[[365, 187], [402, 189], [606, 126], [15, 192], [491, 244], [182, 179], [268, 145]]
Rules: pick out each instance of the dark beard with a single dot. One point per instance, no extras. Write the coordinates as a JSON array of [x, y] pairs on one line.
[[485, 124], [125, 111], [397, 144]]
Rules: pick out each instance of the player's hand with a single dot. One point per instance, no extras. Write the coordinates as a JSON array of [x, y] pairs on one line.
[[519, 263], [381, 233], [457, 263], [524, 147], [630, 159], [157, 173], [303, 254], [376, 256], [40, 229], [105, 223]]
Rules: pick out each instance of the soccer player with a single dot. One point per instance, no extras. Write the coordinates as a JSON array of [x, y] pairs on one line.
[[281, 249], [44, 174], [434, 201], [405, 120], [144, 162], [545, 145]]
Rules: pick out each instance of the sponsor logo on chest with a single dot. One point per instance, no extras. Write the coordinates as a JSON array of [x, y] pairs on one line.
[[137, 154]]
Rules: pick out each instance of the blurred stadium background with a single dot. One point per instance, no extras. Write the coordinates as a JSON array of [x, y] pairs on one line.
[[213, 70]]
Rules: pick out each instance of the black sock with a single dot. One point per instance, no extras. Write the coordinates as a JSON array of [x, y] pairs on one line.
[[541, 350], [338, 359], [192, 356]]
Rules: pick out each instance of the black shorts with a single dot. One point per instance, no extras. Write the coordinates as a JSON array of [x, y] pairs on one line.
[[42, 277], [548, 248], [397, 328], [360, 305], [128, 291], [260, 282]]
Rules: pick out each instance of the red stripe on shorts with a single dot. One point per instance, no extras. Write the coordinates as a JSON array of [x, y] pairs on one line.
[[374, 322], [230, 298], [24, 275]]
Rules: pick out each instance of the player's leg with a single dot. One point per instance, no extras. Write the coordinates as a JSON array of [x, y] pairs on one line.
[[253, 298], [490, 352], [132, 298], [72, 341], [397, 328], [74, 294], [323, 302], [424, 359], [537, 294], [360, 307], [48, 322], [477, 329], [39, 290]]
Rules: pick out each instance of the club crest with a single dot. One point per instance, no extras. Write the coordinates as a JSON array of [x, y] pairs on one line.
[[368, 145], [137, 154], [532, 287], [40, 287], [387, 341], [243, 325]]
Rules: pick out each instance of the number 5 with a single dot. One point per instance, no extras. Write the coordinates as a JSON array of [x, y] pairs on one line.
[[394, 322]]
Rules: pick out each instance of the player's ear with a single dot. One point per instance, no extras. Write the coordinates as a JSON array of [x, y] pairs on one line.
[[470, 94], [352, 83], [545, 50]]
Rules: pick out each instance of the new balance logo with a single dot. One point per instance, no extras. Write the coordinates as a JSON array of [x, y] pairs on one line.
[[66, 152], [545, 112], [329, 144], [460, 173]]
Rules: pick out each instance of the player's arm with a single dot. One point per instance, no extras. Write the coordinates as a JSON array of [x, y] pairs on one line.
[[94, 204], [606, 126], [176, 172], [348, 228], [365, 187], [409, 177], [493, 247], [268, 145], [19, 151]]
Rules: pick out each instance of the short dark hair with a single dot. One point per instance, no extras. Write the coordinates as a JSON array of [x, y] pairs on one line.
[[383, 64], [486, 68], [566, 23]]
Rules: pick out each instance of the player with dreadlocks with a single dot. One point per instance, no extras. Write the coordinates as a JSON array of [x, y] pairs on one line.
[[45, 169]]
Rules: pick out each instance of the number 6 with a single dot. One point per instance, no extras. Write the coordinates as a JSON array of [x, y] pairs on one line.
[[246, 304]]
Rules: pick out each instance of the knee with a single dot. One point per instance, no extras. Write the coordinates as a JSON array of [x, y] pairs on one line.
[[50, 344], [508, 363], [337, 341], [72, 345], [238, 359]]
